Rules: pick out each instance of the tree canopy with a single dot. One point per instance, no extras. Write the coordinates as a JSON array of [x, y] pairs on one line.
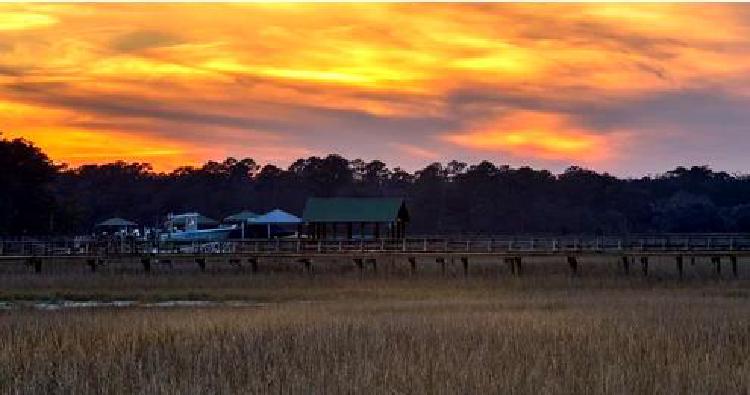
[[37, 197]]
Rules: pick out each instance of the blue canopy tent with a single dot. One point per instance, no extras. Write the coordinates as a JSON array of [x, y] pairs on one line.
[[275, 218]]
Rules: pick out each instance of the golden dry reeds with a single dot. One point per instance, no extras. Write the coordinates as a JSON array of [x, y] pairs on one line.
[[467, 339]]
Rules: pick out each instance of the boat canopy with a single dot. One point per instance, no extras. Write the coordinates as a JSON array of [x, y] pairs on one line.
[[116, 223]]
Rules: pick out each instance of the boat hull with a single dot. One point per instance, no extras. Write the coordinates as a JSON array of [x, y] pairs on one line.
[[198, 235]]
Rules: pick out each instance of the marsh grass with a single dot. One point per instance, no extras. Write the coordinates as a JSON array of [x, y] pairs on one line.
[[428, 336], [327, 285]]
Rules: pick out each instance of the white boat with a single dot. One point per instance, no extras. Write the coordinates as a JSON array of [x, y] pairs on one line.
[[185, 227]]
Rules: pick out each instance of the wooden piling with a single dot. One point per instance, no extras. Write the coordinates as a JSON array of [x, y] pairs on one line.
[[465, 263], [36, 263], [626, 264], [360, 264], [573, 263], [374, 263], [519, 266], [91, 264], [413, 264], [680, 265], [644, 265], [201, 263], [733, 260], [441, 261], [253, 261], [146, 262], [307, 263], [716, 260], [511, 262]]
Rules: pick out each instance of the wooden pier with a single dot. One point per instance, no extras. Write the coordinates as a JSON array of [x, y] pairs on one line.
[[724, 255]]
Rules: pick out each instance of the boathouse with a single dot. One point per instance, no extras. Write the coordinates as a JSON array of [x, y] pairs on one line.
[[356, 218]]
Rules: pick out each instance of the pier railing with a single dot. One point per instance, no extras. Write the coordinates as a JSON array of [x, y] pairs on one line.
[[501, 244]]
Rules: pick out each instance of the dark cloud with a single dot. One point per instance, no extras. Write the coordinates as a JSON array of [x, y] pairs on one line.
[[186, 120], [126, 106], [144, 39]]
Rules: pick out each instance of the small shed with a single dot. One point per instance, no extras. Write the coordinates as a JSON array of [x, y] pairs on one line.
[[374, 217], [276, 221]]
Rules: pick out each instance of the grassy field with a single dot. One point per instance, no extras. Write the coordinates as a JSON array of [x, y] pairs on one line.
[[342, 335]]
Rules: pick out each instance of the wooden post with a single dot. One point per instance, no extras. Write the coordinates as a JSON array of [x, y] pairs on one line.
[[733, 260], [644, 265], [680, 266], [146, 262], [510, 261], [716, 260], [307, 262], [626, 264], [37, 263], [519, 266], [359, 262], [92, 264], [465, 262], [573, 263], [441, 261], [253, 264], [413, 264], [201, 263], [374, 263]]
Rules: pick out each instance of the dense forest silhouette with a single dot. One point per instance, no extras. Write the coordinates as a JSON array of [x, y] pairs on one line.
[[38, 197]]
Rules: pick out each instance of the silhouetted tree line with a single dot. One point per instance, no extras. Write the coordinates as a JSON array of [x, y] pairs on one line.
[[37, 197]]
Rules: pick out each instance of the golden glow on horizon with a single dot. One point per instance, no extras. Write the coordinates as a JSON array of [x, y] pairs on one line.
[[547, 136], [176, 84]]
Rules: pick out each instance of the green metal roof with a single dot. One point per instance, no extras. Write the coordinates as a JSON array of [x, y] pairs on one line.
[[354, 210], [116, 223], [243, 216]]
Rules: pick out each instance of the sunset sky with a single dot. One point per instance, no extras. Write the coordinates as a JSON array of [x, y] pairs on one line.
[[629, 89]]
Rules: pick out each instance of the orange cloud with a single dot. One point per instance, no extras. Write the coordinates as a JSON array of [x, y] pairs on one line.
[[415, 151], [280, 80], [533, 134], [10, 21]]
